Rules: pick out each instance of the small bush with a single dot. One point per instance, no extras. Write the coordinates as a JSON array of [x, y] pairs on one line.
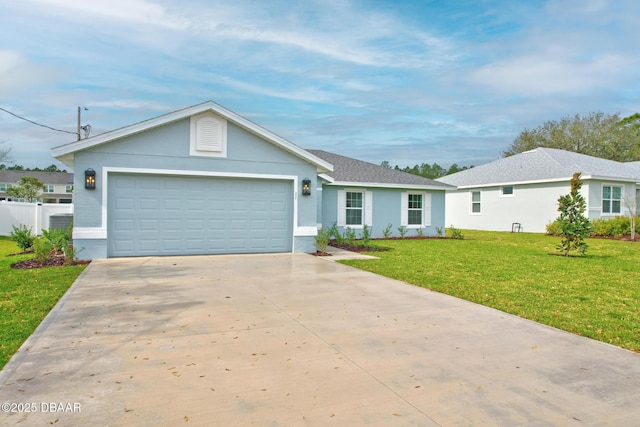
[[57, 237], [608, 227], [439, 232], [366, 234], [553, 228], [42, 248], [402, 230], [454, 233], [419, 232], [349, 236], [322, 240], [23, 237], [386, 233]]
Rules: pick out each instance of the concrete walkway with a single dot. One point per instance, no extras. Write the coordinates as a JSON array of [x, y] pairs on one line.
[[294, 340]]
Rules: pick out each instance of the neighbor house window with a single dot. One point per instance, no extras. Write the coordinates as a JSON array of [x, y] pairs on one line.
[[354, 205], [507, 191], [4, 187], [611, 199], [47, 188], [475, 202]]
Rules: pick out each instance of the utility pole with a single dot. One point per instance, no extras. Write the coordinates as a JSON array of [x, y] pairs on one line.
[[86, 128], [78, 124]]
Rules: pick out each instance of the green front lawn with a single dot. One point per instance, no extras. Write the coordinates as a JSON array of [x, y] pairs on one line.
[[597, 295], [26, 296]]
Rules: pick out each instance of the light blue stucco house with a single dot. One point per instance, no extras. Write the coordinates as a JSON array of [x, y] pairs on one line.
[[204, 180]]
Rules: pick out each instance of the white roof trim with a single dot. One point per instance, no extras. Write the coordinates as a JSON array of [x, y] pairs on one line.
[[326, 177], [389, 185], [545, 181], [65, 152]]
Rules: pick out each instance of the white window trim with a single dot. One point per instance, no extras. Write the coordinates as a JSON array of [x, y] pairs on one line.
[[426, 210], [367, 208], [622, 189], [513, 190], [194, 136], [47, 187], [471, 202]]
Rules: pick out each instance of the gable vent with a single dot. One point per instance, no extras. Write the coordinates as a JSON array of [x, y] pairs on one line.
[[209, 135]]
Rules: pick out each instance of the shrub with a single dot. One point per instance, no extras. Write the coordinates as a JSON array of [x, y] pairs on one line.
[[419, 232], [402, 230], [454, 233], [57, 237], [349, 236], [42, 248], [386, 233], [23, 237], [322, 240], [439, 231], [553, 228], [366, 234]]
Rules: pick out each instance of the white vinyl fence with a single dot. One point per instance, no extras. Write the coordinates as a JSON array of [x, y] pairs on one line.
[[34, 215]]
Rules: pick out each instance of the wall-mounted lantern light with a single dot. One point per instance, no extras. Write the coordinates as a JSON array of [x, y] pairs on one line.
[[90, 179], [306, 187]]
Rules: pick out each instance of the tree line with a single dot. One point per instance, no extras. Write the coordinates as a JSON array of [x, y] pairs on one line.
[[607, 136], [51, 168], [426, 170]]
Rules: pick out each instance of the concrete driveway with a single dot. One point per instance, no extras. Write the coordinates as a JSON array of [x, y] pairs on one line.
[[291, 339]]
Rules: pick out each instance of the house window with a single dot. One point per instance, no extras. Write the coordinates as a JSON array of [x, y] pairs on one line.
[[475, 202], [354, 207], [415, 209], [68, 189], [4, 187], [507, 191], [47, 188], [611, 199]]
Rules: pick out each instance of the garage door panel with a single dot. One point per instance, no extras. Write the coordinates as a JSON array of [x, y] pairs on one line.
[[172, 215]]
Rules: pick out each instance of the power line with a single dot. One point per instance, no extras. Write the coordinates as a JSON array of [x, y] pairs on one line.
[[37, 124]]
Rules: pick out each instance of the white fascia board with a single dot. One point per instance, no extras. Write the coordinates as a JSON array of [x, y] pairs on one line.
[[387, 185], [67, 150], [546, 181], [325, 177]]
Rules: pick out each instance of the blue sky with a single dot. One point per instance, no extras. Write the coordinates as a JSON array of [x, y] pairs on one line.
[[403, 81]]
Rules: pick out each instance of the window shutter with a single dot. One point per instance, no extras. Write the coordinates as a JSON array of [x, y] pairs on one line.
[[404, 207], [342, 208], [426, 209], [368, 208]]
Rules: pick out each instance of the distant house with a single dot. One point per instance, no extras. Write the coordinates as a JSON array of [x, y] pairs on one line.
[[58, 186], [523, 190], [205, 180]]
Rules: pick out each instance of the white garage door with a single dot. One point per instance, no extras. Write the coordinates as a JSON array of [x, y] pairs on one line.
[[175, 215]]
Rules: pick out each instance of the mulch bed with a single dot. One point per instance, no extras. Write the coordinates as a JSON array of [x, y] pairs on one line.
[[53, 261]]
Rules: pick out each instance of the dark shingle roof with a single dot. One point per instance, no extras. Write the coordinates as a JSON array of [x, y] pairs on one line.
[[9, 177], [347, 169]]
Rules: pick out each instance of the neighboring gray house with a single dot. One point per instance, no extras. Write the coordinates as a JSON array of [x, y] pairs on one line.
[[58, 186], [204, 180], [525, 188]]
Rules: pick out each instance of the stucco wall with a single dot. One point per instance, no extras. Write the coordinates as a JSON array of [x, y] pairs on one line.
[[386, 209]]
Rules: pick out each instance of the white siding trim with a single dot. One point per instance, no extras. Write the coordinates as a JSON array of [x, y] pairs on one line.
[[426, 210]]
